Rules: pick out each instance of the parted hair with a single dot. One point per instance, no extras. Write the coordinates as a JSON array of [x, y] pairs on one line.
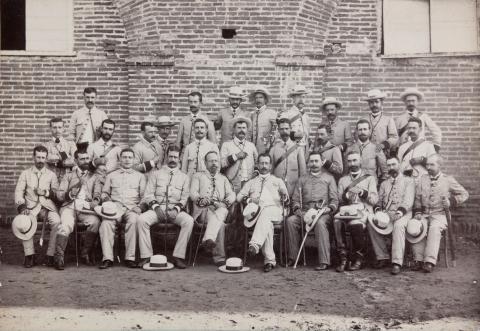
[[90, 90], [40, 148], [364, 121]]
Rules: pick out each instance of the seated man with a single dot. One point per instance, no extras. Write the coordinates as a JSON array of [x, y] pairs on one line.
[[269, 193], [396, 200], [435, 193], [125, 188], [357, 193], [212, 195], [311, 190], [166, 195], [33, 197], [76, 195]]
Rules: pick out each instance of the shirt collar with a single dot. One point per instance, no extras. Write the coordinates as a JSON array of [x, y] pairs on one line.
[[86, 110], [128, 171], [53, 139], [377, 115], [197, 115], [261, 108], [168, 169], [238, 141], [414, 113], [356, 175], [436, 177], [103, 142], [41, 172], [264, 176], [201, 141]]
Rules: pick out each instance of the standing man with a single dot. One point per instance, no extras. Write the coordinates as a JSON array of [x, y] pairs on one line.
[[76, 194], [373, 159], [194, 154], [263, 120], [212, 195], [331, 154], [86, 121], [269, 193], [288, 158], [435, 192], [357, 192], [33, 197], [125, 188], [166, 196], [104, 148], [384, 131], [395, 198], [411, 97], [225, 117], [413, 154], [311, 190], [339, 131], [186, 129], [164, 126], [299, 120], [238, 156], [148, 150], [60, 151]]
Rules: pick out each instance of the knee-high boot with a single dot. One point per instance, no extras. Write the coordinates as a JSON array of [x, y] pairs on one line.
[[61, 244]]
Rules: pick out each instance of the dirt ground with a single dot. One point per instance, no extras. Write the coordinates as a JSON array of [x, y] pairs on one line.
[[202, 298]]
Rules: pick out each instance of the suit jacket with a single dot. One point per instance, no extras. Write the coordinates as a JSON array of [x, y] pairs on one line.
[[396, 194], [340, 132], [427, 123], [80, 128], [168, 185], [373, 162], [126, 187], [424, 150], [267, 189], [71, 180], [148, 155], [238, 171], [290, 169], [54, 150], [332, 158], [194, 156], [369, 185], [384, 130], [98, 148], [262, 128], [224, 122], [300, 126], [315, 188], [186, 132]]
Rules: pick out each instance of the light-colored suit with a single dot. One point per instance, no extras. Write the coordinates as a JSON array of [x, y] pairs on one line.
[[373, 162], [224, 121], [194, 156], [54, 150], [383, 130], [262, 120], [427, 123], [186, 130], [423, 150], [80, 128]]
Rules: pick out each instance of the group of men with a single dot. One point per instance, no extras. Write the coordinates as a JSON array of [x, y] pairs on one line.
[[384, 177]]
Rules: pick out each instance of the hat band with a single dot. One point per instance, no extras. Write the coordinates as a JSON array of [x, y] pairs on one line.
[[255, 214], [381, 226], [108, 214], [24, 232], [419, 233], [230, 268], [158, 265]]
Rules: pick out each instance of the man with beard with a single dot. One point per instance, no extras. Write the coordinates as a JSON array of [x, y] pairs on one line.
[[373, 159], [164, 126], [299, 120], [76, 195], [225, 117], [125, 188], [413, 154], [194, 154], [85, 122], [331, 154], [238, 156], [147, 150], [340, 133], [384, 133], [270, 194], [166, 195], [358, 192], [311, 190], [396, 199], [288, 158], [263, 120], [186, 128], [104, 148], [60, 151], [33, 197], [435, 192], [212, 195], [411, 97]]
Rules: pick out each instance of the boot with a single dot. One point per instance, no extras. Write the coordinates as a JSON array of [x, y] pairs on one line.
[[90, 238], [29, 261], [343, 260], [60, 251]]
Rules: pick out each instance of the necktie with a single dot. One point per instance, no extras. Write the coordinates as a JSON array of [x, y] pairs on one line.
[[167, 189], [390, 193], [194, 117], [212, 180], [256, 127], [262, 184], [196, 157], [93, 127]]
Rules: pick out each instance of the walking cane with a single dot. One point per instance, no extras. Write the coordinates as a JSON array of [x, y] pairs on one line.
[[284, 234], [75, 227], [301, 224], [450, 237], [204, 212]]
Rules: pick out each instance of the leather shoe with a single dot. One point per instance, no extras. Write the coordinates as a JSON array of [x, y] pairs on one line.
[[427, 267], [142, 262], [220, 263], [395, 269], [341, 266], [268, 267], [59, 263], [251, 251], [208, 245], [380, 264], [28, 263], [50, 262], [179, 263], [321, 267], [416, 266], [357, 265], [130, 264], [106, 264]]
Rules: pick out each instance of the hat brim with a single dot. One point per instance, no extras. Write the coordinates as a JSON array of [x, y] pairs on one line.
[[248, 223], [164, 125], [251, 96], [358, 216], [242, 119], [414, 240], [336, 103], [385, 231], [29, 234], [419, 95], [98, 210], [147, 266], [379, 97], [291, 94], [223, 268], [88, 212]]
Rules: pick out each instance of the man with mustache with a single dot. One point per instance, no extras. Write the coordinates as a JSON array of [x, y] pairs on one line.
[[270, 193], [340, 132], [35, 189], [357, 188], [263, 120], [186, 132], [125, 188], [85, 122], [147, 150], [434, 193], [212, 195], [311, 189], [383, 129], [76, 194], [166, 195], [413, 154], [194, 154], [60, 158], [395, 198], [164, 126], [411, 97], [331, 154], [299, 120], [373, 159], [225, 117], [238, 156], [288, 158], [104, 148]]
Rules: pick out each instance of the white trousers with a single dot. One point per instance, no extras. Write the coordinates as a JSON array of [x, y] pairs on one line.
[[67, 217], [107, 235], [215, 230], [53, 220], [428, 247], [263, 233]]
